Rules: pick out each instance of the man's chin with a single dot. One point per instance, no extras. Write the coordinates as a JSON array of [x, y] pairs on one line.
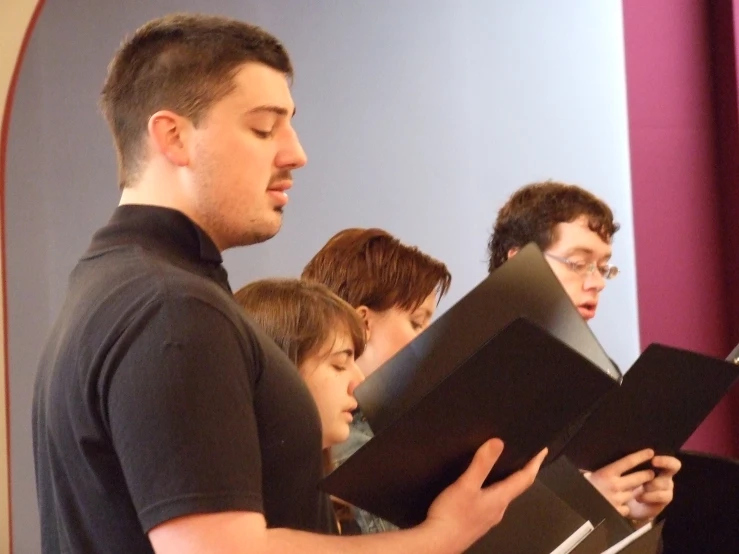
[[264, 236], [258, 235]]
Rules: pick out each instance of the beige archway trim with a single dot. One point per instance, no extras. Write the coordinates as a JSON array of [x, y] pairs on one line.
[[16, 21]]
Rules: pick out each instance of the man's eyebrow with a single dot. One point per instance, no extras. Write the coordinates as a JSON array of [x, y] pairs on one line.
[[279, 110], [587, 252], [579, 250]]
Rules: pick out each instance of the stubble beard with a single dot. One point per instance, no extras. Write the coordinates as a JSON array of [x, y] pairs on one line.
[[227, 227], [255, 232]]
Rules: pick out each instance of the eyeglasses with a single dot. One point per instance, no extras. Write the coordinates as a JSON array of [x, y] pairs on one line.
[[583, 269]]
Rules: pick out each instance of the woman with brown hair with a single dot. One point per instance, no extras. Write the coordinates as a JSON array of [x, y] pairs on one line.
[[322, 335], [395, 288]]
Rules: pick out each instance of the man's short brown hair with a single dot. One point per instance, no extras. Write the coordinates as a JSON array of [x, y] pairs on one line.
[[183, 63], [370, 267], [300, 316], [533, 211]]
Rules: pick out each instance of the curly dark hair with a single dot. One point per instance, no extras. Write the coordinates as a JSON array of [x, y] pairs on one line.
[[534, 210]]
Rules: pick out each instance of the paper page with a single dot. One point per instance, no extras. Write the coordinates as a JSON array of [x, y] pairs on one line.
[[619, 546], [574, 539]]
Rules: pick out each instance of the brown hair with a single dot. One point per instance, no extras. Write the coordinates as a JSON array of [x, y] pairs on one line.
[[533, 211], [183, 63], [370, 267], [300, 316]]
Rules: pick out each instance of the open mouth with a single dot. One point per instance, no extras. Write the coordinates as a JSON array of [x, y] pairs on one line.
[[587, 309]]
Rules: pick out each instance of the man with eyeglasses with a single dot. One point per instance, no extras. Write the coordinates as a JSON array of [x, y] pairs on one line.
[[574, 229]]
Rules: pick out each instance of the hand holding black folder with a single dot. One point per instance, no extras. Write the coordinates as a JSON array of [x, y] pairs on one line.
[[500, 363], [404, 467], [568, 482], [562, 512], [537, 522]]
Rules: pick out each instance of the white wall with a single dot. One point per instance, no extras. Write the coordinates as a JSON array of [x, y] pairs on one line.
[[419, 116]]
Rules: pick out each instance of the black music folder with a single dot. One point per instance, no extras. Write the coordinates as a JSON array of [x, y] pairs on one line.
[[537, 522], [504, 390], [663, 398], [704, 513], [524, 286], [595, 543], [512, 359], [561, 512], [569, 484]]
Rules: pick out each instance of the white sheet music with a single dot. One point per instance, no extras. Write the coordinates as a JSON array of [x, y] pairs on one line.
[[619, 546], [574, 539]]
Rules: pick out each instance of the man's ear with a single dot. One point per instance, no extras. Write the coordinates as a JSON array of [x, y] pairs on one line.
[[512, 252], [367, 316], [169, 134]]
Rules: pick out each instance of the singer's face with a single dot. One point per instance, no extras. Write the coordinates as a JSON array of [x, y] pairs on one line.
[[575, 241], [331, 375], [241, 158], [390, 330]]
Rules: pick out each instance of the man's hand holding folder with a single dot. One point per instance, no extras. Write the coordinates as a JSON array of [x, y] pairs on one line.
[[500, 363], [657, 493], [639, 495], [466, 509]]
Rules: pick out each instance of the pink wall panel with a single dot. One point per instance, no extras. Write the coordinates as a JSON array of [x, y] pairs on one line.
[[676, 184]]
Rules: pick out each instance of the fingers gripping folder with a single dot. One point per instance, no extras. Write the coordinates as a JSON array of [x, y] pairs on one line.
[[512, 359]]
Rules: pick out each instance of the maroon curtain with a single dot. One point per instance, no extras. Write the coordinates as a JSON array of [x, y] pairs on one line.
[[682, 83]]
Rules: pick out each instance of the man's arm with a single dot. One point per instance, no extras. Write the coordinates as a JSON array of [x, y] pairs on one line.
[[460, 515]]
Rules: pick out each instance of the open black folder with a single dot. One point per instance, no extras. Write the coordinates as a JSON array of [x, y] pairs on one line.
[[663, 398], [524, 286], [537, 522], [569, 484], [558, 513], [512, 359]]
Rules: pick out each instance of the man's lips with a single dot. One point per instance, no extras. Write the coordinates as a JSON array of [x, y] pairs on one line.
[[278, 192], [587, 309], [280, 186]]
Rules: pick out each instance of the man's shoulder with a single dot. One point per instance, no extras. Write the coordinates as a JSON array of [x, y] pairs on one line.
[[142, 276], [127, 292]]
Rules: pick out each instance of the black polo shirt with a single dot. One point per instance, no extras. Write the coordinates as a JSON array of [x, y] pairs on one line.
[[157, 397]]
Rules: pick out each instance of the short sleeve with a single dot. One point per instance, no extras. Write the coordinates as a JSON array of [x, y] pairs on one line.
[[177, 395]]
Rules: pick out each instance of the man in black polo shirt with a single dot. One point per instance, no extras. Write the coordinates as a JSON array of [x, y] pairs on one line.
[[164, 420]]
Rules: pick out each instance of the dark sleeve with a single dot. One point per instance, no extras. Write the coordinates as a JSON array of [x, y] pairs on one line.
[[180, 413]]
